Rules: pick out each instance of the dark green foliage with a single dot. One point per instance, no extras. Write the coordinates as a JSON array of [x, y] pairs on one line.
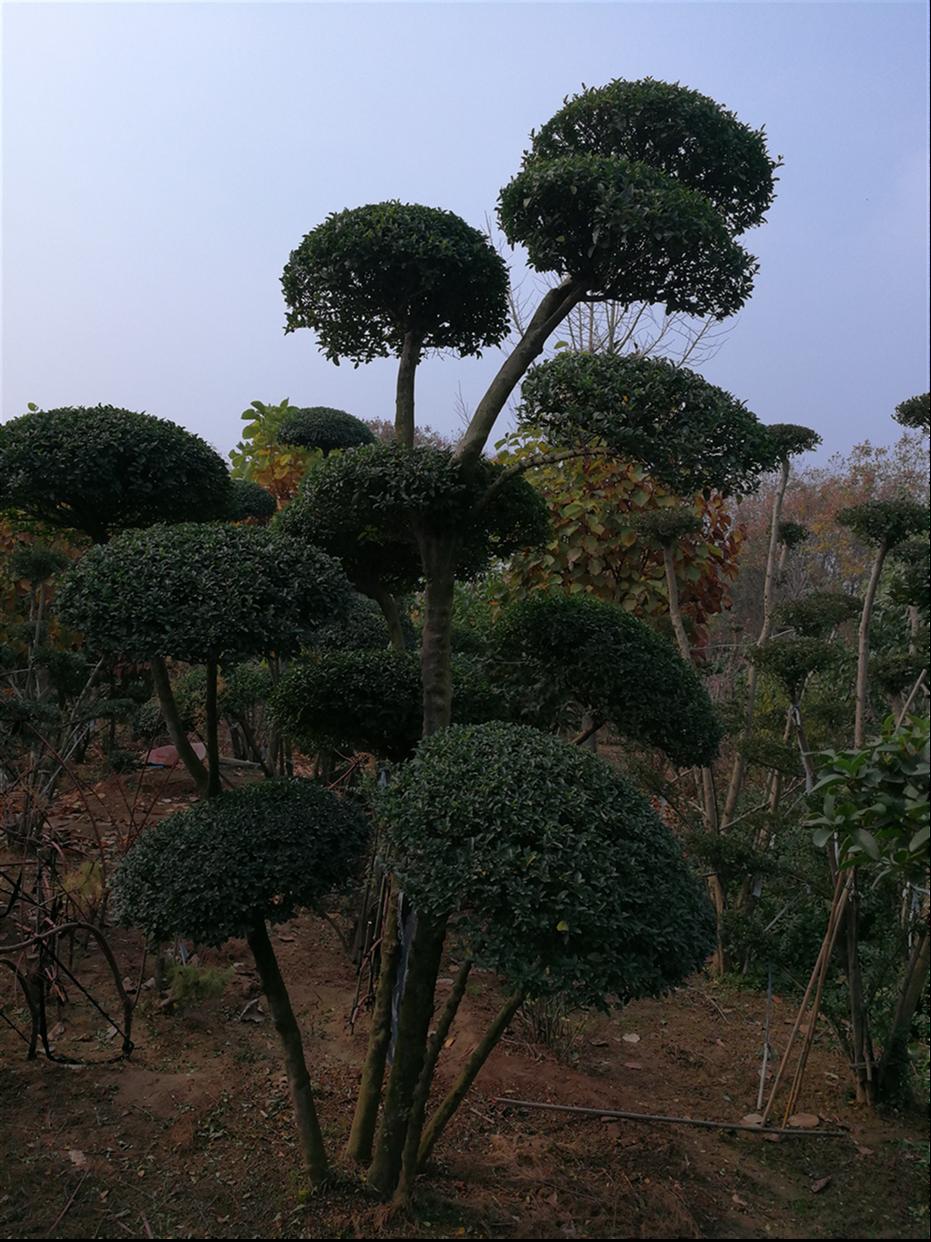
[[371, 701], [790, 440], [563, 878], [627, 232], [321, 427], [766, 752], [366, 277], [35, 562], [793, 533], [553, 651], [363, 628], [685, 135], [791, 660], [365, 508], [199, 590], [667, 526], [896, 671], [244, 687], [815, 615], [101, 469], [214, 871], [636, 191], [888, 522], [688, 433], [915, 412], [911, 577], [249, 500]]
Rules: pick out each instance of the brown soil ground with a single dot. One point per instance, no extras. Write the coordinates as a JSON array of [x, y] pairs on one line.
[[192, 1136]]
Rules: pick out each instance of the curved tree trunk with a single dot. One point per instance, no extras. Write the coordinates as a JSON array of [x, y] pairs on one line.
[[176, 731], [392, 614], [302, 1099]]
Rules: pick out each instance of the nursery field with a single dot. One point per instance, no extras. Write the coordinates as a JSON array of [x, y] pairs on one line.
[[192, 1136]]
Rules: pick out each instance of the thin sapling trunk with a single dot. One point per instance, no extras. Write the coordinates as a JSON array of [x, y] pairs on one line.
[[302, 1099], [176, 731]]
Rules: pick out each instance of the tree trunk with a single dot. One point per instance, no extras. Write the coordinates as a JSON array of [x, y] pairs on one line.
[[457, 1092], [359, 1147], [422, 1093], [302, 1099], [862, 1051], [863, 645], [214, 787], [392, 614], [410, 1052], [739, 769], [554, 306], [404, 403], [179, 738], [893, 1066]]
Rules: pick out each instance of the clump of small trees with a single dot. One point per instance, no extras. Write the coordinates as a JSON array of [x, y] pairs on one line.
[[523, 851]]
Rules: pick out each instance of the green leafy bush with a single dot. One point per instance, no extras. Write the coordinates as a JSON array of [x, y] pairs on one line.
[[552, 651], [214, 871], [101, 469], [372, 701], [689, 137], [321, 427], [249, 500], [688, 433], [815, 615], [888, 522], [365, 507], [561, 876], [199, 590]]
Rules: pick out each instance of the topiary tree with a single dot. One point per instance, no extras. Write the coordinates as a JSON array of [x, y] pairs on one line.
[[631, 220], [226, 868], [320, 427], [249, 501], [202, 593], [915, 412], [792, 534], [550, 652], [817, 614], [397, 279], [884, 524], [791, 661], [101, 469], [575, 888]]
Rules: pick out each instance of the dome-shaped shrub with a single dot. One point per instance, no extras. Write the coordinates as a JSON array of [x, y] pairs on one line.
[[563, 877], [321, 427], [369, 275], [688, 433], [553, 651], [102, 469], [262, 852], [200, 591], [249, 500]]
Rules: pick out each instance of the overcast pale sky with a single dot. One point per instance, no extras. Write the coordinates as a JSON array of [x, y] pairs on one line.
[[160, 161]]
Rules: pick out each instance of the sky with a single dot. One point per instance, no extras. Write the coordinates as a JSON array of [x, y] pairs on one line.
[[160, 162]]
